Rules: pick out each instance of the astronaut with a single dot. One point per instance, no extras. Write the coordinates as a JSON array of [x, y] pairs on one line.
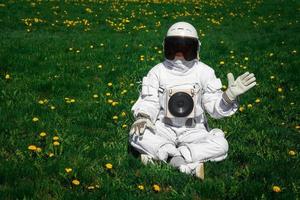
[[170, 122]]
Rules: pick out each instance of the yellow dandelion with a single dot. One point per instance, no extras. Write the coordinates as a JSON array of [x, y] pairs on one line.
[[141, 187], [249, 105], [7, 76], [91, 187], [156, 188], [107, 94], [68, 170], [32, 147], [124, 92], [222, 62], [50, 154], [75, 182], [35, 119], [257, 100], [115, 117], [114, 103], [55, 138], [56, 143], [124, 126], [43, 134], [110, 101], [108, 166], [100, 66], [242, 108], [276, 189], [297, 127], [109, 84], [131, 84], [52, 107], [292, 153], [279, 89], [272, 77], [95, 96], [246, 58], [41, 102], [271, 54], [72, 100], [123, 114], [38, 149]]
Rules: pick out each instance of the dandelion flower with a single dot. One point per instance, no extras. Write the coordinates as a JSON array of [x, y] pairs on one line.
[[43, 134], [75, 182], [50, 154], [249, 105], [292, 153], [123, 114], [55, 138], [52, 107], [156, 188], [124, 126], [141, 187], [38, 149], [279, 89], [222, 62], [246, 58], [90, 187], [257, 100], [272, 77], [32, 147], [68, 170], [95, 96], [108, 166], [115, 117], [7, 76], [41, 102], [276, 189], [114, 103], [109, 84], [242, 108], [110, 101], [56, 143], [100, 66], [35, 119]]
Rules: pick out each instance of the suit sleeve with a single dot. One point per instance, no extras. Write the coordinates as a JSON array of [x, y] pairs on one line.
[[148, 101], [212, 98]]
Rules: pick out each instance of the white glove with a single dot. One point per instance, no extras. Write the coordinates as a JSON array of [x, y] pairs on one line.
[[239, 86], [140, 125]]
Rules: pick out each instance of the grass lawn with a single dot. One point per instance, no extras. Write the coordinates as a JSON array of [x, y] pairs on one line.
[[71, 70]]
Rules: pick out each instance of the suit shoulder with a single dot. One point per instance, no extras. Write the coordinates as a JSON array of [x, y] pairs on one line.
[[156, 69], [205, 68]]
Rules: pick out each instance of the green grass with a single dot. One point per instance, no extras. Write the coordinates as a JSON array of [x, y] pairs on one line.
[[46, 59]]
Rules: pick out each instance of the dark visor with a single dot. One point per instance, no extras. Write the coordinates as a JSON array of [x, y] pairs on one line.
[[188, 46]]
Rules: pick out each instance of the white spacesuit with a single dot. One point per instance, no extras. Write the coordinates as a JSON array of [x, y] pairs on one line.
[[170, 112]]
